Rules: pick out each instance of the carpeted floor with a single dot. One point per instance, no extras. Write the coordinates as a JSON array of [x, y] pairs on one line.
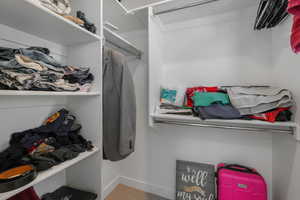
[[123, 192]]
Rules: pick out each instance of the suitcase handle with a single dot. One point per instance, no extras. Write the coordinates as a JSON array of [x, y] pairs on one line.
[[239, 168]]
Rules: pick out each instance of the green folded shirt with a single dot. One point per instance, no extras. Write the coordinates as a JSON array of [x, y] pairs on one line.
[[208, 98]]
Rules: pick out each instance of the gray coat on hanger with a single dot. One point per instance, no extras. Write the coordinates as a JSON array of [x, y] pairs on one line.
[[119, 107]]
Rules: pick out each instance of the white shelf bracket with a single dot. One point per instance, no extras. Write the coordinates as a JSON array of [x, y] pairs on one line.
[[297, 132]]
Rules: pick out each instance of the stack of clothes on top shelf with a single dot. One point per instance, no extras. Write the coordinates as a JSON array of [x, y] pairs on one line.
[[34, 69], [234, 102], [63, 8], [56, 141], [262, 102], [171, 101]]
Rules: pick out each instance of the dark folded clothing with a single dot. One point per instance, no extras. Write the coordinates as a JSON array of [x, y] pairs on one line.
[[62, 154], [70, 194], [87, 24], [284, 116], [42, 162], [76, 148], [41, 49], [56, 141], [81, 79], [278, 114], [11, 157], [217, 111]]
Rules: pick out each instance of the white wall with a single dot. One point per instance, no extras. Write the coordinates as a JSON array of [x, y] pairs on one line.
[[217, 50], [221, 52], [286, 151]]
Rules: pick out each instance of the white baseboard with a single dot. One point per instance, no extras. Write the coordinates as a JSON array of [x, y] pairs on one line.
[[111, 186], [154, 189]]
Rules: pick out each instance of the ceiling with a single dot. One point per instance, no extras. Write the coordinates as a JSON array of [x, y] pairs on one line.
[[212, 8], [132, 4], [118, 16]]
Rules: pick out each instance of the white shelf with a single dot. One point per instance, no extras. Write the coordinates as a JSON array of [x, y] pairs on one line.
[[120, 42], [47, 174], [205, 8], [254, 125], [45, 93], [37, 20], [115, 13]]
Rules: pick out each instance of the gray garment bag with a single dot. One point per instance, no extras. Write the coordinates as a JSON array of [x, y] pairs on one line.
[[119, 107]]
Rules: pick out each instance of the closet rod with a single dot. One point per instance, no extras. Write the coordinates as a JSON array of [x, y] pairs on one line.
[[119, 42], [139, 55], [185, 7], [290, 131]]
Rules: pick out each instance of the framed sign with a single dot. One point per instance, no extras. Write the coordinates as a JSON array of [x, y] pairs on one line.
[[195, 181]]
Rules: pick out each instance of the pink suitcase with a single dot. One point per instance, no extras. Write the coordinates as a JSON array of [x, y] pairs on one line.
[[236, 182]]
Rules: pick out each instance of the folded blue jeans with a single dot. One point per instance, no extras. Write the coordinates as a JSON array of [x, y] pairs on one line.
[[217, 111]]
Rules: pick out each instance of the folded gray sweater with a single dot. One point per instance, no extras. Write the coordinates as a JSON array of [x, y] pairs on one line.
[[252, 100]]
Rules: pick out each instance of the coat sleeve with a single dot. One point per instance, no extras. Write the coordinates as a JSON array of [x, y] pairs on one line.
[[128, 113]]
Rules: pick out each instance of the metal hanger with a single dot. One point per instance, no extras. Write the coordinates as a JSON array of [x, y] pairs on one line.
[[270, 13]]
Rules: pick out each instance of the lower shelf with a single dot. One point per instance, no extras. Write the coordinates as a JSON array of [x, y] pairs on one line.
[[45, 93], [51, 172], [246, 125]]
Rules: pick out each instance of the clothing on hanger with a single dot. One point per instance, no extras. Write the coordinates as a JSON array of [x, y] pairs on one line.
[[119, 107], [270, 13], [294, 9]]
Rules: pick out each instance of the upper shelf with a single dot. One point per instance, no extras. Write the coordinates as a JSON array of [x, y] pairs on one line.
[[33, 18], [181, 10], [119, 42], [247, 125]]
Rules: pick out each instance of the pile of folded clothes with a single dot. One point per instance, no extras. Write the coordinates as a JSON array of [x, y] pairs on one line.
[[63, 8], [62, 193], [34, 69], [262, 102], [56, 141], [171, 101], [234, 102], [69, 193]]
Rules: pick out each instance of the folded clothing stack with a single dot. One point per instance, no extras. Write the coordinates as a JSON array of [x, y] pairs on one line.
[[294, 9], [236, 102], [171, 101], [56, 141], [62, 193], [63, 8], [262, 102], [34, 69], [251, 102], [86, 23], [69, 193], [211, 103]]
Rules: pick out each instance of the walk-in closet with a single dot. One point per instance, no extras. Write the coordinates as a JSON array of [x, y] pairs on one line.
[[149, 99]]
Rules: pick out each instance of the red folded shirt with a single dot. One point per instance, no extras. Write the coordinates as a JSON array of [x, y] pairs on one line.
[[190, 93], [294, 7], [268, 116], [28, 194]]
